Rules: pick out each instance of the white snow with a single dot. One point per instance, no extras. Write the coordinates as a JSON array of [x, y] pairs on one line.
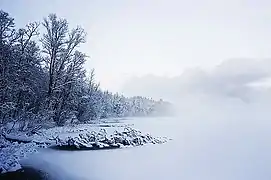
[[203, 148], [101, 139], [12, 153], [105, 135]]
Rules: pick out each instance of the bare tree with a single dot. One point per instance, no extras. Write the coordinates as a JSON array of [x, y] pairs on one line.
[[7, 31], [20, 69], [54, 41], [91, 84], [64, 61], [25, 35]]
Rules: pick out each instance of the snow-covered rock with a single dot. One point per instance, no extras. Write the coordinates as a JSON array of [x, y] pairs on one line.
[[101, 140], [15, 147], [12, 152]]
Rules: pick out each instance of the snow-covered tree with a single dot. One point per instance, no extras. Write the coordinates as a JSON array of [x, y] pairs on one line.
[[64, 64], [22, 76], [50, 83], [89, 106]]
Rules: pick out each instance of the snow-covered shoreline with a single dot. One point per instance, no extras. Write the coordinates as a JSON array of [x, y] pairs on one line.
[[17, 146], [12, 152]]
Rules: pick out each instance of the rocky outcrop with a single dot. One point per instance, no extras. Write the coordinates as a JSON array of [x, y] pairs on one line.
[[101, 140]]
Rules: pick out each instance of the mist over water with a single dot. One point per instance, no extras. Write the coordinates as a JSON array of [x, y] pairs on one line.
[[231, 138], [246, 79], [197, 55], [211, 140], [222, 128]]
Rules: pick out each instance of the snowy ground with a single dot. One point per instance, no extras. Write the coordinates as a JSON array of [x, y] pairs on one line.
[[80, 136], [203, 148], [12, 153], [232, 147]]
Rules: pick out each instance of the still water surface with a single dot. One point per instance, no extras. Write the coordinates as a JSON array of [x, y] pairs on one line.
[[200, 150]]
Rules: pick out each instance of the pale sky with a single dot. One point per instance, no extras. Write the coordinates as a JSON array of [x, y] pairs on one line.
[[161, 37]]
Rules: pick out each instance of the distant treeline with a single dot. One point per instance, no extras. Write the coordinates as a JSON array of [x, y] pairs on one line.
[[43, 78]]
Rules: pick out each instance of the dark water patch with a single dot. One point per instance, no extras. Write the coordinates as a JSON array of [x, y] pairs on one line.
[[114, 124], [74, 148], [104, 125], [26, 173]]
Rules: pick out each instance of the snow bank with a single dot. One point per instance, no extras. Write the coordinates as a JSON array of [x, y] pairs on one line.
[[11, 153], [15, 147], [103, 140]]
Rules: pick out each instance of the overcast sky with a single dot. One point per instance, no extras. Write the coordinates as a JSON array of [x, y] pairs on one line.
[[160, 37]]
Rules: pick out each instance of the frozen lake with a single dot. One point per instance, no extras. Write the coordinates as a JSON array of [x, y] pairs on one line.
[[205, 150]]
